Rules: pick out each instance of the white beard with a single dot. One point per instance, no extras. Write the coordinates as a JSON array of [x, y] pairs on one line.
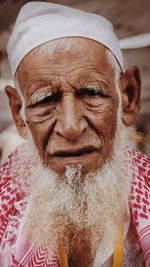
[[85, 208]]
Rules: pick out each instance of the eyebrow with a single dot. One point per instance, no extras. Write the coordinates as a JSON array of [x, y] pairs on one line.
[[38, 96], [39, 84], [95, 85]]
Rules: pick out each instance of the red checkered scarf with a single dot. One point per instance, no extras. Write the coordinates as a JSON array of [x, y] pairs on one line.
[[25, 253]]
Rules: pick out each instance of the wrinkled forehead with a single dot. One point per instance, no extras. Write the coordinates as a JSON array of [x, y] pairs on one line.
[[67, 53]]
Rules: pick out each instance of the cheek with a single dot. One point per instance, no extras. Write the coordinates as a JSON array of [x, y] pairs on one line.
[[41, 126], [104, 119], [106, 128]]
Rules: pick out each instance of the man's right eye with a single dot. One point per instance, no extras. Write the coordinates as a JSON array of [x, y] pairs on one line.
[[44, 100], [50, 98]]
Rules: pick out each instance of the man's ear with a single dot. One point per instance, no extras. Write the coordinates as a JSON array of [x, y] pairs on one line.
[[15, 103], [130, 84]]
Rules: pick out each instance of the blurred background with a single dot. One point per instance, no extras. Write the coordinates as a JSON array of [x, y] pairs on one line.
[[131, 19]]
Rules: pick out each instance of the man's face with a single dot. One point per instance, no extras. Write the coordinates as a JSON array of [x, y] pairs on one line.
[[71, 105]]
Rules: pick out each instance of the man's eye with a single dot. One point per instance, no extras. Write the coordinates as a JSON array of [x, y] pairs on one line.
[[44, 100], [48, 99], [93, 92], [82, 92]]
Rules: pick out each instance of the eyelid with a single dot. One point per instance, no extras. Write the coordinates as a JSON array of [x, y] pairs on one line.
[[96, 88], [91, 87], [37, 97]]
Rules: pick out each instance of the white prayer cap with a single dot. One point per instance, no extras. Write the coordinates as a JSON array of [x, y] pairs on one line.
[[40, 22]]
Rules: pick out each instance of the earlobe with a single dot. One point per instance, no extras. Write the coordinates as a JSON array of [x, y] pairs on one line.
[[15, 103], [130, 84]]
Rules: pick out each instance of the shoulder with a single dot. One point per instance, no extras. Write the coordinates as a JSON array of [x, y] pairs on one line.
[[9, 192], [140, 200], [140, 190], [141, 164]]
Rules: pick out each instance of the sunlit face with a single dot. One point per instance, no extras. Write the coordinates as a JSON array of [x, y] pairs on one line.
[[71, 105]]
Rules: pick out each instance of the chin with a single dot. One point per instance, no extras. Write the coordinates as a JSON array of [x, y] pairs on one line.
[[87, 165]]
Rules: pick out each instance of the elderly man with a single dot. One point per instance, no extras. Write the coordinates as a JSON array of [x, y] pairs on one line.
[[75, 194]]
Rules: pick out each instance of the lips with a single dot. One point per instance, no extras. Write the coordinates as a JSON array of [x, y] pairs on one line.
[[74, 152]]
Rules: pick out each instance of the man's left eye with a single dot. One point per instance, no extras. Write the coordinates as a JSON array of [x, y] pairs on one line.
[[93, 92], [90, 92]]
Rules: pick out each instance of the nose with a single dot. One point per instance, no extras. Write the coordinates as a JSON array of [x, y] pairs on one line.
[[70, 122]]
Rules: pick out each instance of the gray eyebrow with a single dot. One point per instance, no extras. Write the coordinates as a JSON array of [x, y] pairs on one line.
[[38, 96], [98, 86]]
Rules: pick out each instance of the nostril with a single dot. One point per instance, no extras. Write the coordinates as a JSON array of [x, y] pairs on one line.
[[72, 132]]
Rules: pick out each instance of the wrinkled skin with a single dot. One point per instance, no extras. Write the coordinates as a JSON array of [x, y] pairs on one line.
[[70, 122]]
